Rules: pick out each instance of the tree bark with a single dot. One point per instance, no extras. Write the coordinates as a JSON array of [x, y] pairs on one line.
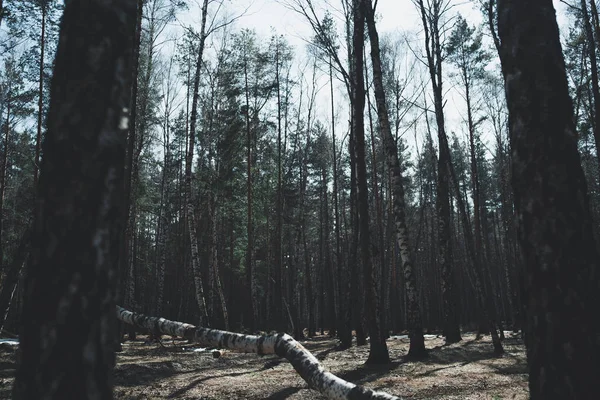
[[378, 352], [3, 167], [214, 259], [11, 277], [68, 312], [417, 342], [191, 219], [250, 273], [281, 344], [552, 207], [591, 47], [38, 138], [123, 290], [434, 62]]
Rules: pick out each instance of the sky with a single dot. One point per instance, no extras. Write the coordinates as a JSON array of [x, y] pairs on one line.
[[269, 16], [275, 16], [393, 15]]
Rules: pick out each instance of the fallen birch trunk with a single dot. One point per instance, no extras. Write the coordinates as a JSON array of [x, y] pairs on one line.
[[281, 344]]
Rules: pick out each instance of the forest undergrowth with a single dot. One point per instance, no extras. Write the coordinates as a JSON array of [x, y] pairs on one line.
[[177, 369]]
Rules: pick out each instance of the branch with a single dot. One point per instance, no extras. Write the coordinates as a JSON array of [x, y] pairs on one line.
[[281, 344]]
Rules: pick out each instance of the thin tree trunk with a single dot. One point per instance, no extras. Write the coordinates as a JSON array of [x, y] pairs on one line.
[[417, 342], [378, 352], [3, 167], [125, 243], [215, 260], [446, 261], [278, 274], [11, 277], [250, 273], [328, 270], [38, 138], [191, 220], [344, 330], [380, 268], [591, 47], [161, 247]]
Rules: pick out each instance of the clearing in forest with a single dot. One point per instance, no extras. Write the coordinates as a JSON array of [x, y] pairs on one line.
[[178, 370]]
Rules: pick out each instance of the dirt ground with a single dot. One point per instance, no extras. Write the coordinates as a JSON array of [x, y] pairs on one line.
[[177, 370]]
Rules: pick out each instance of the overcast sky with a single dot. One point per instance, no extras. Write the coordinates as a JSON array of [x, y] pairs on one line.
[[393, 15], [267, 16]]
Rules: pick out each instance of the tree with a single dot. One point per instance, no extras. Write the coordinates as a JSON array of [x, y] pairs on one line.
[[378, 352], [431, 17], [191, 220], [66, 341], [281, 344], [417, 342], [552, 206], [465, 50]]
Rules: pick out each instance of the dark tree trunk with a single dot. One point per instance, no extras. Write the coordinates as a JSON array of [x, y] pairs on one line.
[[591, 48], [433, 48], [11, 277], [378, 352], [552, 206], [68, 313], [328, 271], [38, 139], [277, 305], [195, 256], [344, 327], [3, 167], [127, 232], [250, 273]]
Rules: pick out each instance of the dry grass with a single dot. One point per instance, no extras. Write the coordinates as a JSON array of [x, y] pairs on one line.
[[466, 370]]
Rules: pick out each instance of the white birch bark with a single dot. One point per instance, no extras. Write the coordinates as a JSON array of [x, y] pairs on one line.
[[280, 344]]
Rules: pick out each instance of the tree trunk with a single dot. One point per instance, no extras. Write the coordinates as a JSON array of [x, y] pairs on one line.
[[552, 206], [378, 352], [591, 47], [122, 290], [344, 329], [281, 344], [417, 342], [67, 348], [328, 272], [250, 273], [191, 219], [3, 167], [11, 277], [278, 273], [38, 138], [215, 260], [446, 261]]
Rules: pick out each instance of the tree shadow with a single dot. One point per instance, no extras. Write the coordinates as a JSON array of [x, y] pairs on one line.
[[518, 368], [323, 354], [7, 369], [196, 382], [445, 357], [463, 353], [134, 374], [368, 373], [284, 393], [433, 371], [445, 391]]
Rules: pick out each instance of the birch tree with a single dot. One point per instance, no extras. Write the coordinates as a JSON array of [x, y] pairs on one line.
[[417, 342]]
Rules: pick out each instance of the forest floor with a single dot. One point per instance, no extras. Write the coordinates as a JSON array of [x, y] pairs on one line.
[[178, 370]]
